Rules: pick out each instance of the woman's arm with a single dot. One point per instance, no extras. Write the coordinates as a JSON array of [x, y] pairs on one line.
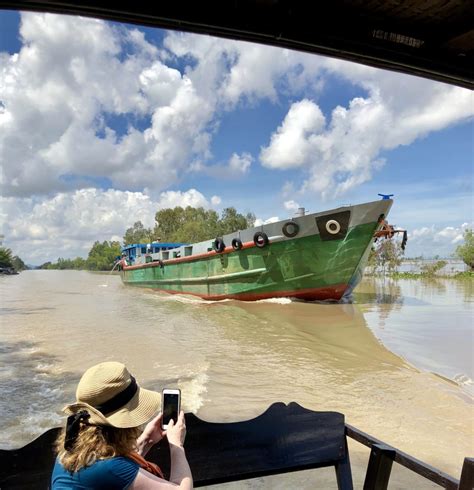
[[181, 477], [152, 434], [180, 470]]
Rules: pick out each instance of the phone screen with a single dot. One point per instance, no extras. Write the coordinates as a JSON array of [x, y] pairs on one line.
[[170, 407]]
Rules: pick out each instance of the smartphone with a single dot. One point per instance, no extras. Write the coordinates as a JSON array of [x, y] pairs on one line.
[[171, 406]]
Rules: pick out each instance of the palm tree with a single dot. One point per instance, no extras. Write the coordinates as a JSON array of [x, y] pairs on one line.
[[6, 257]]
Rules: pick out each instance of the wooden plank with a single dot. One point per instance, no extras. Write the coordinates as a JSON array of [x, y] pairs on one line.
[[467, 475], [423, 469], [344, 473], [379, 467]]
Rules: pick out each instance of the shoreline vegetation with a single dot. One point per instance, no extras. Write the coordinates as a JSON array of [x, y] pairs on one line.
[[461, 275], [191, 225], [387, 256]]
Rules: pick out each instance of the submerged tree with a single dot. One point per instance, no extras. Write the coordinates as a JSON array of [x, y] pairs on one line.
[[386, 255], [466, 251]]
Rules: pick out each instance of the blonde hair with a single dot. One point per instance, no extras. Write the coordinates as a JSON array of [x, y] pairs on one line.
[[95, 442]]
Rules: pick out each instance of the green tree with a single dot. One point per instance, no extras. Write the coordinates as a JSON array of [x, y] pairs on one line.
[[185, 224], [138, 234], [466, 251], [102, 256], [78, 263], [6, 257], [386, 255], [231, 221], [18, 264], [190, 225], [390, 255]]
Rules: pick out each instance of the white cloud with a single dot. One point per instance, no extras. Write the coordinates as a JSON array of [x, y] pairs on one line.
[[260, 221], [57, 104], [192, 197], [240, 164], [235, 71], [67, 224], [236, 167], [290, 146], [433, 240], [56, 134], [291, 205], [345, 152]]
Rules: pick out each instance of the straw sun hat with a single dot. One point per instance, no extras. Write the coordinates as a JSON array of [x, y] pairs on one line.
[[111, 396]]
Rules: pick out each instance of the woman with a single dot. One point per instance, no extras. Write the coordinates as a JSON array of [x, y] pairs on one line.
[[103, 446]]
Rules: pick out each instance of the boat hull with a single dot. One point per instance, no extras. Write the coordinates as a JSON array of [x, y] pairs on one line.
[[309, 266]]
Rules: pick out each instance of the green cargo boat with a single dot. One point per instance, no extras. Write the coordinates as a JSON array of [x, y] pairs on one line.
[[319, 256]]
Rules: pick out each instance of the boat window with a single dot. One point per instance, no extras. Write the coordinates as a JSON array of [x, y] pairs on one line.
[[165, 255], [188, 251]]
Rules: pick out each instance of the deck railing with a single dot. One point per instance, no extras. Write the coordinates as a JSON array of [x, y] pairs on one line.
[[383, 455]]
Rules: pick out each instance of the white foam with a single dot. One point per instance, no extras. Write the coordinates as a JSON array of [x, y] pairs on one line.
[[279, 301], [463, 379], [189, 299], [195, 389]]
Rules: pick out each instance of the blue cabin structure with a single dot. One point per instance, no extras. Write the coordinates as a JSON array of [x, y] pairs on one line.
[[131, 252]]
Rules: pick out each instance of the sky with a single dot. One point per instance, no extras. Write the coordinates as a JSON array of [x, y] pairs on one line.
[[102, 124]]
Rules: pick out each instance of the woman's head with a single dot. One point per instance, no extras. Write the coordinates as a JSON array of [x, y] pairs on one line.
[[105, 419], [111, 396]]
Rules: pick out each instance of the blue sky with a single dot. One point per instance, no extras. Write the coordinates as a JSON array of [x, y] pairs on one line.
[[101, 124]]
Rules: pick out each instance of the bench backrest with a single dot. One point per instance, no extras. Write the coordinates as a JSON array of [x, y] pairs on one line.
[[284, 438]]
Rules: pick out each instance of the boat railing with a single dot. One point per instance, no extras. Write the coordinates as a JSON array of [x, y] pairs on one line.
[[382, 456], [285, 438]]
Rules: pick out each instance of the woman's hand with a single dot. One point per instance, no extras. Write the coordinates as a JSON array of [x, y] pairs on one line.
[[152, 434], [176, 433]]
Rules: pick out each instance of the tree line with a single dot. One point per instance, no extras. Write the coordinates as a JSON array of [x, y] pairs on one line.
[[184, 225], [10, 261], [188, 225]]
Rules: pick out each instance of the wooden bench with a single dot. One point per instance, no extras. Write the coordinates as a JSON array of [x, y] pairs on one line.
[[284, 438]]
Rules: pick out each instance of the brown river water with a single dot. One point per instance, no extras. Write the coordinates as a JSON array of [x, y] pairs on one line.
[[397, 361]]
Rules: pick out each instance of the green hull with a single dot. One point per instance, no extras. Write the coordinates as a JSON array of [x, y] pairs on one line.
[[307, 267]]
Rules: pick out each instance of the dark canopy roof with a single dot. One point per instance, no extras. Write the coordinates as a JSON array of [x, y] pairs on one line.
[[430, 38]]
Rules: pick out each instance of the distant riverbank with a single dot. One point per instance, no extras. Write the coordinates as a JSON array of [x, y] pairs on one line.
[[424, 269]]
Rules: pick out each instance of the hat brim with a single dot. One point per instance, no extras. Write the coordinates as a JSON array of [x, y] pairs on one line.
[[139, 410]]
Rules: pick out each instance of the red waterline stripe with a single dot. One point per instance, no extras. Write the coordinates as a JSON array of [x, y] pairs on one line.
[[191, 258], [330, 292]]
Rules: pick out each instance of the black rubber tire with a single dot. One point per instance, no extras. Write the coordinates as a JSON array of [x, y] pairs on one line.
[[218, 245], [237, 244], [260, 239], [290, 224]]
